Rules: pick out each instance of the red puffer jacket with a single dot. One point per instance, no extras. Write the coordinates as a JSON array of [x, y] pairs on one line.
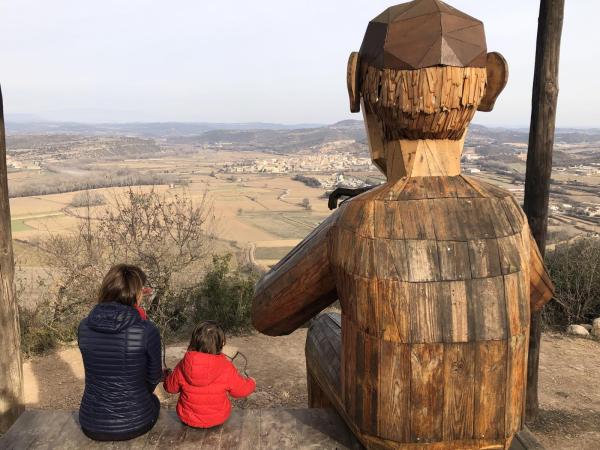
[[204, 381]]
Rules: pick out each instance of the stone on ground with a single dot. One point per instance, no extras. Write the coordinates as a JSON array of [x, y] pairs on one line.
[[596, 327], [577, 330]]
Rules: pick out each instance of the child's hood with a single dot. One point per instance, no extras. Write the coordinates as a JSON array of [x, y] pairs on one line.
[[201, 369]]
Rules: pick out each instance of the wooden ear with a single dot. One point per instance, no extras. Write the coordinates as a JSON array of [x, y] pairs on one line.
[[497, 77], [353, 82]]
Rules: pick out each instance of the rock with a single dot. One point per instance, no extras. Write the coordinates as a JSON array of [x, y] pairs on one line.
[[596, 328], [587, 326], [577, 330]]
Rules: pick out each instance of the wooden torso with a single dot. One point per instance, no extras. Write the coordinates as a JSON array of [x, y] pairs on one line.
[[433, 277]]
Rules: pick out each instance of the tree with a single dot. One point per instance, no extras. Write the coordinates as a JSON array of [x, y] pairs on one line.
[[168, 236], [539, 162], [305, 203], [87, 198], [225, 295], [11, 369]]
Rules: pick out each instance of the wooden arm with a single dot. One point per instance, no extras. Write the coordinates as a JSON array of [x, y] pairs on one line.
[[541, 286], [299, 287]]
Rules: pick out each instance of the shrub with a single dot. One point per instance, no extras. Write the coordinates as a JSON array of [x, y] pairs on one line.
[[87, 199], [167, 236], [305, 203], [575, 270], [225, 295]]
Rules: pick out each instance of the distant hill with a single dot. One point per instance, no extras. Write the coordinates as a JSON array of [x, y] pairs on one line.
[[141, 129], [346, 135]]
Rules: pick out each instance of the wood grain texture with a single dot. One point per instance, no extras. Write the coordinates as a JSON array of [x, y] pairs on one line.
[[435, 293], [11, 370], [427, 399], [245, 430], [430, 103], [459, 391], [463, 388]]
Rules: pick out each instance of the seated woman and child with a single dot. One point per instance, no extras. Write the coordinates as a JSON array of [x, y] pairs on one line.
[[121, 352]]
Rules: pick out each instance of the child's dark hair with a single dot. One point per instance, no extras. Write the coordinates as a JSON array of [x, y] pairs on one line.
[[208, 337]]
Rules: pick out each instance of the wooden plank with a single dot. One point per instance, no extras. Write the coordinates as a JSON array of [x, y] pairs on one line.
[[359, 379], [525, 440], [517, 303], [423, 260], [425, 312], [49, 429], [387, 223], [72, 438], [304, 428], [237, 435], [447, 225], [394, 386], [459, 391], [427, 402], [502, 226], [417, 220], [367, 309], [515, 384], [398, 257], [490, 389], [454, 260], [358, 216], [454, 312], [484, 258], [23, 431], [349, 363], [487, 308], [510, 249], [395, 311], [318, 428], [370, 384], [277, 430]]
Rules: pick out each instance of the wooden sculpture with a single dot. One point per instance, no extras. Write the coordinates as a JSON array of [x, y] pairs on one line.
[[436, 272]]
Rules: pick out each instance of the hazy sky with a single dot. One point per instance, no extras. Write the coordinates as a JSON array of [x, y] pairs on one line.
[[240, 60]]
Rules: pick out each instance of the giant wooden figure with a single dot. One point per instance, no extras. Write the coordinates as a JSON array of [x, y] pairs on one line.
[[436, 272]]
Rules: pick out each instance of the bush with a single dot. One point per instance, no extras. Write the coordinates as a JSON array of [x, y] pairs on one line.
[[87, 199], [225, 295], [36, 334], [575, 270], [167, 236]]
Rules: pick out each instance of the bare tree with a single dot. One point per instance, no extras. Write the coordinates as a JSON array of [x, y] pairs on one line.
[[169, 236]]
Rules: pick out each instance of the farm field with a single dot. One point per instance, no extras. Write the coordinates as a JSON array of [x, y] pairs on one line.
[[250, 211]]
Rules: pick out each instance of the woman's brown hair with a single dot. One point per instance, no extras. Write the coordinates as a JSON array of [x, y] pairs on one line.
[[123, 284], [207, 337]]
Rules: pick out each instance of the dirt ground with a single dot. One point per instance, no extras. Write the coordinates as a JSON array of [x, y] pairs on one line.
[[569, 381]]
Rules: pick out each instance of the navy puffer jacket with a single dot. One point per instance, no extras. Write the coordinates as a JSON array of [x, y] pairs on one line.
[[122, 360]]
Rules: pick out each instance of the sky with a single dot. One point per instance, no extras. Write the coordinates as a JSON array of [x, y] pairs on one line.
[[250, 61]]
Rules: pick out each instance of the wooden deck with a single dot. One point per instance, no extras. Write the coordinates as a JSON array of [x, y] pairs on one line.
[[246, 429]]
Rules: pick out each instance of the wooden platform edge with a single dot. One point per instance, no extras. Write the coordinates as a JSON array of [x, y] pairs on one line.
[[248, 429], [525, 440]]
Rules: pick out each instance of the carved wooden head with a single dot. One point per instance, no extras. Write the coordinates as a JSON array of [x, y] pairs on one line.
[[422, 72]]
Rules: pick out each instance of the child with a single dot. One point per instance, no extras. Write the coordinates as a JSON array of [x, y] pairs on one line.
[[204, 377]]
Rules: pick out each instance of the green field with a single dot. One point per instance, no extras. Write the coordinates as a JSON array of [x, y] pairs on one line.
[[19, 225]]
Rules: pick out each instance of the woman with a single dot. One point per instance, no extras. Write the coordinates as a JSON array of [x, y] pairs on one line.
[[122, 360]]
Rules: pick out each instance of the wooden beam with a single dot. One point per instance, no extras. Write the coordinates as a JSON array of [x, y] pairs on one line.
[[539, 160], [11, 369]]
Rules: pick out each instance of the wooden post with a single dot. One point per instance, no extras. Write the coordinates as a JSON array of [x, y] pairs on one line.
[[539, 161], [11, 369]]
